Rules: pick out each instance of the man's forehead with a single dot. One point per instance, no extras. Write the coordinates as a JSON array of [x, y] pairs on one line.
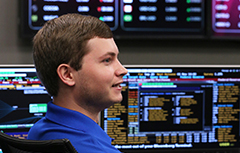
[[102, 46]]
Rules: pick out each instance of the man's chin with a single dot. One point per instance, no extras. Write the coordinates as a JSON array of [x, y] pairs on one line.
[[114, 101], [119, 99]]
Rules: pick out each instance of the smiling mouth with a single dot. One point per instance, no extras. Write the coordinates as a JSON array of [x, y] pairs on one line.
[[116, 85]]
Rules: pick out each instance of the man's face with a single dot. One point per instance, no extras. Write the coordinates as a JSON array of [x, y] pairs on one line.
[[98, 81]]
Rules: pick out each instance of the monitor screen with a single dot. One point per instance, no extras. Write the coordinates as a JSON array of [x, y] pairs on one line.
[[164, 107], [126, 18], [176, 108], [23, 99], [225, 18]]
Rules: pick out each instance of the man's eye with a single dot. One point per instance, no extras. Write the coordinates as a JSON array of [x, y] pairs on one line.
[[107, 60]]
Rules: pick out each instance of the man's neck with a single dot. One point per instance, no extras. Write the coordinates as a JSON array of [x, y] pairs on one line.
[[69, 104]]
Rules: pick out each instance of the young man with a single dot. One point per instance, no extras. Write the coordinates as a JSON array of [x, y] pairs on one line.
[[76, 60]]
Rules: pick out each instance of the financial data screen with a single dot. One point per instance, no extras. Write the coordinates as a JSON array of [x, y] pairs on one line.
[[23, 100], [125, 17], [176, 108]]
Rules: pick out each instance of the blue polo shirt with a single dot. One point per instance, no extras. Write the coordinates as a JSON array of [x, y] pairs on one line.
[[85, 134]]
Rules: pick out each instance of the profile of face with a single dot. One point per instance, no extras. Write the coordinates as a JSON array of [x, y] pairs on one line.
[[98, 81]]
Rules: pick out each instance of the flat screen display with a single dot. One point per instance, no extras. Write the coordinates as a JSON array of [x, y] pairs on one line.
[[173, 108], [178, 108], [225, 18], [23, 99], [126, 18]]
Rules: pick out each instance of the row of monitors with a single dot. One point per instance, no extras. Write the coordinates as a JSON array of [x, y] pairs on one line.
[[142, 18], [164, 107]]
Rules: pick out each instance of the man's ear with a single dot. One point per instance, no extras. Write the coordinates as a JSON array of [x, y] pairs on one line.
[[65, 73]]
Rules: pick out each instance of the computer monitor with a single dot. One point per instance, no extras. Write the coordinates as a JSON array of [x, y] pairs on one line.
[[165, 107], [23, 99], [126, 18], [225, 19], [176, 108]]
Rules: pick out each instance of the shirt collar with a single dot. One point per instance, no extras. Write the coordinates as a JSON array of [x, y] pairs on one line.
[[73, 119]]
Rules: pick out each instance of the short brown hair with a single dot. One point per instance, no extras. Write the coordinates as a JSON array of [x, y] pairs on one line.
[[63, 40]]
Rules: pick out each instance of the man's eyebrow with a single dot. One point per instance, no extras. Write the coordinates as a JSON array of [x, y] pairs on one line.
[[108, 53]]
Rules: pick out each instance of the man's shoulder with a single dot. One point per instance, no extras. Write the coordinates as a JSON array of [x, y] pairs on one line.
[[47, 129], [81, 140]]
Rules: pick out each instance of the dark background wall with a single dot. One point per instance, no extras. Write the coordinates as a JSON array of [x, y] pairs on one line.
[[14, 50]]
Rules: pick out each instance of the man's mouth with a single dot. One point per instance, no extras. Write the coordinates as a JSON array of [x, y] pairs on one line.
[[116, 85]]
